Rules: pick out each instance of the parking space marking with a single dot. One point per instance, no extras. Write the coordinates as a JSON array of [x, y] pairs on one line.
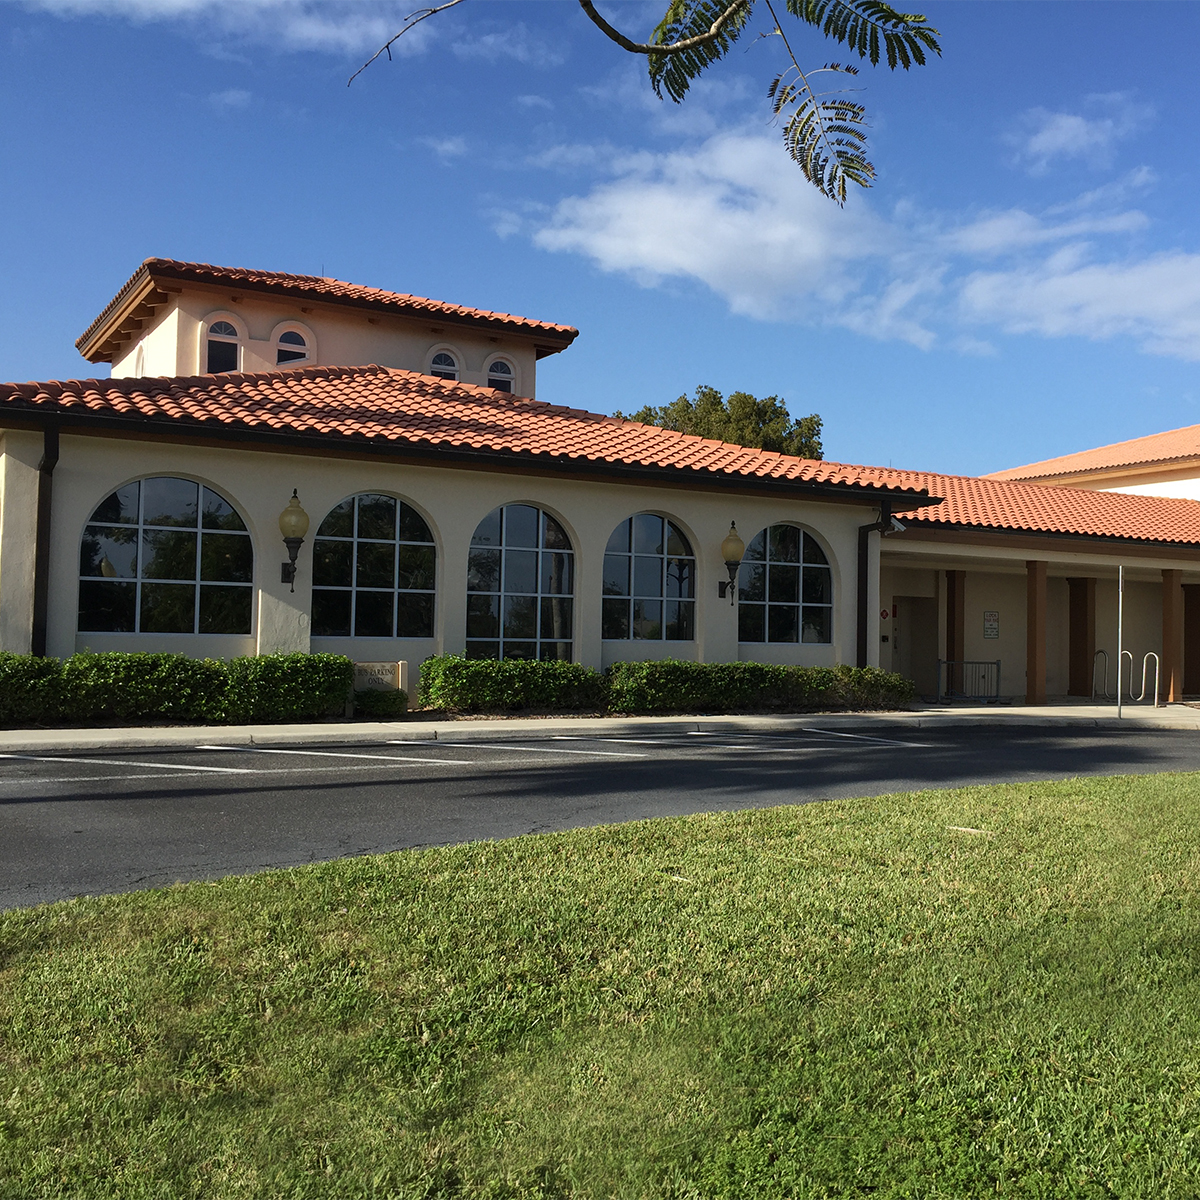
[[108, 762], [862, 737], [578, 737], [437, 762], [530, 749]]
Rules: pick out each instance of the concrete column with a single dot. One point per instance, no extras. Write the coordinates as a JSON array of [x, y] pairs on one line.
[[20, 451], [1172, 635], [1035, 633], [1082, 635], [956, 625]]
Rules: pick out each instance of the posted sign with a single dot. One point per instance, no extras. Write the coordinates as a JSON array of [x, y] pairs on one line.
[[380, 676], [991, 624]]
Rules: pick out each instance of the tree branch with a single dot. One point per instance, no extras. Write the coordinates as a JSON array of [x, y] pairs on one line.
[[649, 47], [413, 18]]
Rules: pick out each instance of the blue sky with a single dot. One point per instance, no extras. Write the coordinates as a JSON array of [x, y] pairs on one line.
[[1023, 281]]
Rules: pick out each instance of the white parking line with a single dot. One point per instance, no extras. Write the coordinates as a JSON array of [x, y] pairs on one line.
[[578, 737], [529, 749], [862, 737], [437, 762], [108, 762]]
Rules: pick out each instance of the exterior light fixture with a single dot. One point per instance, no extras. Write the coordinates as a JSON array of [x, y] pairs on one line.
[[293, 524], [732, 549]]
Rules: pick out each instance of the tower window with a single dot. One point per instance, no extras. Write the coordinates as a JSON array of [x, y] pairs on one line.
[[291, 347], [500, 376], [444, 366], [222, 348]]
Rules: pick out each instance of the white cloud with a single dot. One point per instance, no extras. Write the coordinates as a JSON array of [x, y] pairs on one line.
[[230, 99], [1154, 300], [351, 27], [729, 214], [734, 215], [534, 102], [446, 148], [515, 42], [1041, 137]]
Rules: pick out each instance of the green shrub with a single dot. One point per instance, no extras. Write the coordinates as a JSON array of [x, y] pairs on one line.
[[31, 689], [674, 686], [372, 702], [484, 685], [288, 687], [142, 687]]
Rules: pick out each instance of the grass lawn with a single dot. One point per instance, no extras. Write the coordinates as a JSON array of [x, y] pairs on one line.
[[845, 999]]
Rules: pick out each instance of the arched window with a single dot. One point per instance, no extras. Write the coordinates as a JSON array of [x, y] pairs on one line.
[[165, 556], [785, 588], [222, 348], [520, 584], [444, 366], [291, 347], [649, 582], [373, 571], [500, 376]]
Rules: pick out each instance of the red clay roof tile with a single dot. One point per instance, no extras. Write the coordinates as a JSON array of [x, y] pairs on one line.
[[316, 287], [990, 503], [409, 409], [1175, 445]]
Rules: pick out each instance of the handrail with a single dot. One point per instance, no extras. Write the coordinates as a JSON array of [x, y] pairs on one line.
[[1094, 657], [1145, 663]]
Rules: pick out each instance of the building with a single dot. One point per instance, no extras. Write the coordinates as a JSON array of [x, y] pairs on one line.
[[452, 510]]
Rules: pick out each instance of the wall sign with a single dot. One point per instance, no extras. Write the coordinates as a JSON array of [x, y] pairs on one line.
[[991, 624]]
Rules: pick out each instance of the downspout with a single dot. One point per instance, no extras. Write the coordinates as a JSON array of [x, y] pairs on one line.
[[885, 524], [41, 554]]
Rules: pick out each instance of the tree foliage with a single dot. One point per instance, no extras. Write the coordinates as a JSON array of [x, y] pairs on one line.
[[742, 419], [823, 131]]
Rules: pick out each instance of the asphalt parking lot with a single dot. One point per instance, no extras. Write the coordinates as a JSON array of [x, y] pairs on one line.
[[88, 823]]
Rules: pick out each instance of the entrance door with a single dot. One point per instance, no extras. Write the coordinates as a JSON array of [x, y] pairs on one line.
[[914, 641]]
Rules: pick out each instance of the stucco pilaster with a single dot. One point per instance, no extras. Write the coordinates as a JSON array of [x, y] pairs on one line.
[[19, 454], [283, 624]]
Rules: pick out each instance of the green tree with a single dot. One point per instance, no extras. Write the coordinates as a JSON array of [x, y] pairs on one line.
[[823, 131], [742, 419]]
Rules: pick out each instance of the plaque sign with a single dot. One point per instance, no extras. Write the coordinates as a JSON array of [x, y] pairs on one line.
[[991, 624], [380, 676]]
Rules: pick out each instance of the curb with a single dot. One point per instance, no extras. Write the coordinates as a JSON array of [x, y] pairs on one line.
[[45, 741]]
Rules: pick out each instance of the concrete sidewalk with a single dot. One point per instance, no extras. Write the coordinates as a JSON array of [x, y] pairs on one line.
[[1096, 716]]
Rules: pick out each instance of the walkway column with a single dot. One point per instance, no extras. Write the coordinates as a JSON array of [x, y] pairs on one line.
[[1172, 635], [956, 626], [1081, 635], [1035, 633]]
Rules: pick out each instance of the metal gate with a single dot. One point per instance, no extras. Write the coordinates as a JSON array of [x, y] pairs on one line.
[[977, 680]]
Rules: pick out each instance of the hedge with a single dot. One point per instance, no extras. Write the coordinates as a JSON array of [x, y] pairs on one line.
[[673, 686], [482, 685], [113, 686]]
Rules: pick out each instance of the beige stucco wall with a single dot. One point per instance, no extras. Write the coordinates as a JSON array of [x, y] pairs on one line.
[[337, 336], [20, 452], [1186, 487], [453, 502]]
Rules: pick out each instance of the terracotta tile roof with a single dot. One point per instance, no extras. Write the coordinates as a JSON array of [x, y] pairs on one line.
[[991, 503], [406, 409], [315, 287], [1173, 446], [411, 412]]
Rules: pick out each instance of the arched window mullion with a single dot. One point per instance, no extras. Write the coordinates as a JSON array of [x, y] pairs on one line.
[[642, 599]]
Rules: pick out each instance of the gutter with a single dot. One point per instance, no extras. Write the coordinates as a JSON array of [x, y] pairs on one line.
[[41, 555], [885, 525]]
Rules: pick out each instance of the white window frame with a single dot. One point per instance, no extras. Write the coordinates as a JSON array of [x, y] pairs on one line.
[[508, 362], [310, 345], [205, 334], [454, 352]]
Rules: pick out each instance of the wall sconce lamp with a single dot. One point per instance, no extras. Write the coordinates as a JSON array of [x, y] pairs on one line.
[[293, 524], [732, 549]]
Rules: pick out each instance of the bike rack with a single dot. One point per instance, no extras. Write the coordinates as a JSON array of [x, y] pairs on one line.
[[1100, 654], [1126, 654], [1145, 663]]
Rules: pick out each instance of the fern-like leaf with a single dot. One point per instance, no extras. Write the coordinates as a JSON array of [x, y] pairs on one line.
[[674, 73], [825, 135], [872, 29]]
